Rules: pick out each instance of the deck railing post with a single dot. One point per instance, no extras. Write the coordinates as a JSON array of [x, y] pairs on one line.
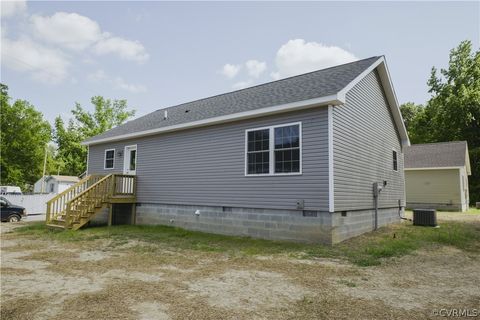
[[67, 217], [48, 212], [134, 191], [114, 185]]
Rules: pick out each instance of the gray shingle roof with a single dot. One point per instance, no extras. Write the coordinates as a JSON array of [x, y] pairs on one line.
[[307, 86], [436, 155]]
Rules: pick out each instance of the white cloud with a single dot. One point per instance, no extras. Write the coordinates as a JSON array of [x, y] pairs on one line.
[[10, 8], [134, 88], [242, 84], [297, 57], [69, 30], [255, 68], [126, 49], [230, 70], [118, 82], [77, 32], [42, 49], [43, 64]]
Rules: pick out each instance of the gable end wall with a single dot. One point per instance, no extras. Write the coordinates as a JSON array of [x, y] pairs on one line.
[[364, 136]]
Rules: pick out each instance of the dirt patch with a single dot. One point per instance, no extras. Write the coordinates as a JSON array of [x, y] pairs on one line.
[[16, 260], [119, 274], [246, 289], [8, 243], [417, 281], [331, 263], [48, 283], [7, 227], [173, 268], [95, 255], [150, 311]]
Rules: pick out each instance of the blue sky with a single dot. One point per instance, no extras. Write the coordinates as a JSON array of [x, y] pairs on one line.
[[158, 54]]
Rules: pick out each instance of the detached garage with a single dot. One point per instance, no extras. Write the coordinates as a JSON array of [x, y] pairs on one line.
[[436, 175]]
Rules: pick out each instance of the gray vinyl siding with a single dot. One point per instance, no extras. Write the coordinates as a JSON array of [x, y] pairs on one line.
[[206, 166], [364, 136]]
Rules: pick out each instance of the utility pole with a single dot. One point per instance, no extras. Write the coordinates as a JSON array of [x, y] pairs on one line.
[[44, 169]]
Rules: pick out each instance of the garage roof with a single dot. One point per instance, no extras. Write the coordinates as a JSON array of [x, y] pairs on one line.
[[437, 155]]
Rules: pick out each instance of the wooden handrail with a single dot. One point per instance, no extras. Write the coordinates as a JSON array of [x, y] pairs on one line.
[[57, 203], [79, 203], [72, 187], [90, 188]]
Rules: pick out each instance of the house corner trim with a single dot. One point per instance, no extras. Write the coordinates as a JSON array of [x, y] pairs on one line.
[[331, 193]]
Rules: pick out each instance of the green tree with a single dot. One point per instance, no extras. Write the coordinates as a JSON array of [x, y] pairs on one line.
[[417, 122], [55, 164], [455, 104], [24, 137], [453, 111], [106, 115]]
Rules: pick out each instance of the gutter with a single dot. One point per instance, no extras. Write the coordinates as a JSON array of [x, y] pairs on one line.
[[334, 99]]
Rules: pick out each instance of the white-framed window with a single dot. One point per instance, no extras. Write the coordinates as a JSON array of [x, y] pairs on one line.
[[109, 162], [395, 160], [274, 150]]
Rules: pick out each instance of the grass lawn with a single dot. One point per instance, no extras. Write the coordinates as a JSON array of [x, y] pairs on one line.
[[159, 272], [369, 249]]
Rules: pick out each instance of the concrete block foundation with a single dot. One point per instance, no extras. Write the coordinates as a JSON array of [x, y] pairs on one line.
[[358, 222], [274, 224]]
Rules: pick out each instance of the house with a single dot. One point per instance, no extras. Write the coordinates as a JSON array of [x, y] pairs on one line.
[[54, 184], [316, 157], [436, 175]]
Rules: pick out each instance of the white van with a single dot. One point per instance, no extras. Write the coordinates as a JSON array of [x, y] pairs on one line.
[[10, 190]]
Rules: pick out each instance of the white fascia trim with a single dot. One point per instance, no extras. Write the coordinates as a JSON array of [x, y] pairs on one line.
[[467, 162], [431, 168], [362, 75], [387, 84], [299, 105], [331, 190]]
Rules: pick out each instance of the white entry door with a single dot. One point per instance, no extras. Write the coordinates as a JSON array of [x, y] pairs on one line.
[[130, 160]]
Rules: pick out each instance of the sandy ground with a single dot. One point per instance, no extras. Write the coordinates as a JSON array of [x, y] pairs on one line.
[[136, 280]]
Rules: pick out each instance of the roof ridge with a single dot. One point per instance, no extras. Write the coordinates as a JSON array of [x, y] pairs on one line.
[[266, 83]]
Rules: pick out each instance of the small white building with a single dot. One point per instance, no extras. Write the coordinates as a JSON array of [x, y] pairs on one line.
[[436, 175], [54, 184]]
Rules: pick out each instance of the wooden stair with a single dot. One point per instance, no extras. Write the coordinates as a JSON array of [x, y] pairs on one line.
[[76, 206]]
